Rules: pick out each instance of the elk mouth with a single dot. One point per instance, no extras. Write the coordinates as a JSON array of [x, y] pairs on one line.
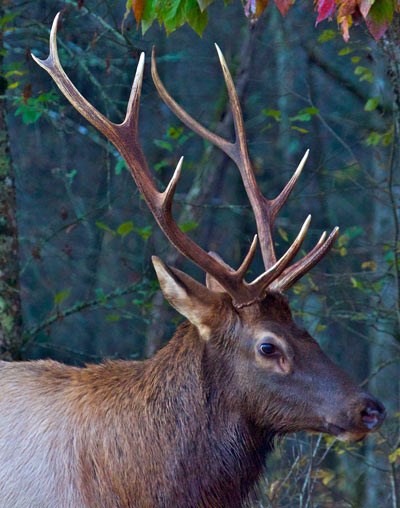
[[345, 435], [342, 433], [335, 430]]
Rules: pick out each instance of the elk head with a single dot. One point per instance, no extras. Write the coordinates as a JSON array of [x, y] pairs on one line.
[[278, 376]]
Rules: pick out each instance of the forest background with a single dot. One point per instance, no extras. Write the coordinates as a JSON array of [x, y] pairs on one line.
[[76, 239]]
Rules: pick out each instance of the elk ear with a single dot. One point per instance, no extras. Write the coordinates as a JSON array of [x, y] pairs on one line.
[[188, 297]]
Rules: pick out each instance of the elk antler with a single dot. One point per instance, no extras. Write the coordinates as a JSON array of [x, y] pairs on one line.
[[265, 210], [125, 137]]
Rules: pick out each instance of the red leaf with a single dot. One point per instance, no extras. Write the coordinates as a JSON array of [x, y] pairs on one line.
[[365, 6], [379, 17], [325, 9], [27, 93], [376, 29], [346, 8], [284, 6], [138, 8]]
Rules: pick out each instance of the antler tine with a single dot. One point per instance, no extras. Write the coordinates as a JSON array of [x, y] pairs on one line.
[[277, 203], [185, 118], [132, 110], [241, 271], [296, 271], [52, 65], [168, 194], [276, 269]]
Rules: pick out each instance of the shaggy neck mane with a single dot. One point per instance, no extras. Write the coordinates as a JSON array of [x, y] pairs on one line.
[[214, 455], [192, 448]]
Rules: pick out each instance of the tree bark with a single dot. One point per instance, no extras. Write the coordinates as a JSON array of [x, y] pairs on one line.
[[10, 304]]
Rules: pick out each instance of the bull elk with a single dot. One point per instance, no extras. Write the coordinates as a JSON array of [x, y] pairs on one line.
[[192, 426]]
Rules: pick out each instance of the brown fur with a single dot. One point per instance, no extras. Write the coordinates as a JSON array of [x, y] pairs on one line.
[[190, 427]]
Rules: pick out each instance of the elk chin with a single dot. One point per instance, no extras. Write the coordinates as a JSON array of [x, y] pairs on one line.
[[351, 437], [344, 435]]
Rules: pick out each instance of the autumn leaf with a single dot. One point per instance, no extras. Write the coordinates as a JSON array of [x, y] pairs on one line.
[[254, 8], [138, 8], [365, 6], [379, 17], [347, 8], [369, 265], [345, 23], [203, 4], [325, 9], [284, 6]]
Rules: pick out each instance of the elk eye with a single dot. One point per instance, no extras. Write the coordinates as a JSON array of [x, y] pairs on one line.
[[268, 349]]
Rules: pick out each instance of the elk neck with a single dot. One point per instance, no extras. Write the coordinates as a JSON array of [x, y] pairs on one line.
[[187, 385]]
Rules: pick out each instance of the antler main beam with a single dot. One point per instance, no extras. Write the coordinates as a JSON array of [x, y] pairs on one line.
[[125, 137]]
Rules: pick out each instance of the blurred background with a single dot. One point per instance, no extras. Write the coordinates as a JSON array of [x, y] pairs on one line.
[[85, 238]]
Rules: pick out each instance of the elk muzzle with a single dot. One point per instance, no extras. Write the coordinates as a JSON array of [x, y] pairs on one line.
[[365, 417]]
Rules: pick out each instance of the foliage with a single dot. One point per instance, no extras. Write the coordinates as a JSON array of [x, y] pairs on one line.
[[170, 13], [377, 14]]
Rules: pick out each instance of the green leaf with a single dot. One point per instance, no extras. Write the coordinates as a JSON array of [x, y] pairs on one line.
[[299, 129], [274, 113], [149, 14], [185, 227], [327, 35], [161, 165], [175, 132], [171, 14], [356, 283], [163, 144], [71, 175], [33, 108], [7, 18], [120, 166], [28, 115], [283, 234], [394, 456], [373, 139], [196, 17], [345, 51], [14, 72], [387, 137], [364, 74], [104, 227], [203, 4], [144, 232], [371, 104], [125, 228], [304, 115], [112, 318], [61, 296]]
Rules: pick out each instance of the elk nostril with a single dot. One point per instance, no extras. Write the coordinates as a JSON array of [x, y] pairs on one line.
[[373, 414]]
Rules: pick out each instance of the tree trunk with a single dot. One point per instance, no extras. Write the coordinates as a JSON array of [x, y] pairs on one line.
[[10, 304]]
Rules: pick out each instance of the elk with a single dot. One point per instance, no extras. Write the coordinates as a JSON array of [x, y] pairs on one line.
[[190, 427]]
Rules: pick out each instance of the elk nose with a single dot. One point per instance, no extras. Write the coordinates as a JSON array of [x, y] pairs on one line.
[[373, 414]]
